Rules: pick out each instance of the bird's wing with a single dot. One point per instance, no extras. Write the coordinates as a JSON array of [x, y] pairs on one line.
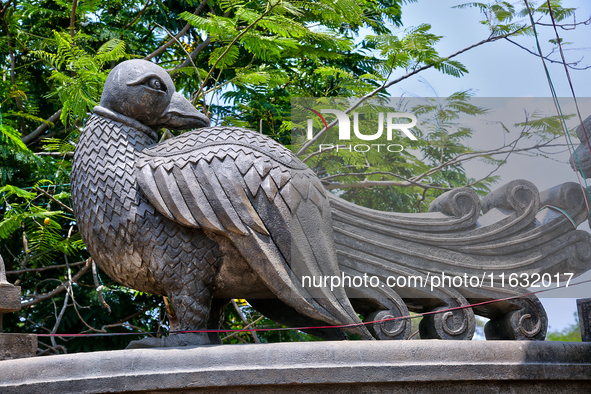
[[239, 184], [210, 179]]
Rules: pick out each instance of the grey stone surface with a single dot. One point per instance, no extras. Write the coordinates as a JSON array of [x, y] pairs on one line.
[[584, 311], [224, 212], [10, 295], [327, 367], [166, 219], [514, 236], [10, 298], [13, 346], [583, 152]]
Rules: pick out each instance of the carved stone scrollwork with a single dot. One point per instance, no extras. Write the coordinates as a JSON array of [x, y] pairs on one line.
[[568, 196], [528, 322], [392, 329], [380, 303], [461, 203], [516, 195], [458, 324], [509, 209], [454, 210]]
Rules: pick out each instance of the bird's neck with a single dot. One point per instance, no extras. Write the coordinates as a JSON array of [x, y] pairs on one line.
[[105, 146], [105, 195], [126, 120]]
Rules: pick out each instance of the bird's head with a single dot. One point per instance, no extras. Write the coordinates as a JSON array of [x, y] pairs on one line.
[[144, 91]]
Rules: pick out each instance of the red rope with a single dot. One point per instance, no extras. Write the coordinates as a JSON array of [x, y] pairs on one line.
[[313, 327]]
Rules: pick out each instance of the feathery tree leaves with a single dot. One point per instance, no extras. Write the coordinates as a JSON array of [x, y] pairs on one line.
[[78, 77]]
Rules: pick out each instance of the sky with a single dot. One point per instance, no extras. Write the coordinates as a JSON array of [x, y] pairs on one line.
[[501, 69], [498, 69]]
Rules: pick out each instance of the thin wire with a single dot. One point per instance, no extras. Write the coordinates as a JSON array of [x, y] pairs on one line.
[[559, 111], [316, 327], [561, 211], [572, 89], [43, 186]]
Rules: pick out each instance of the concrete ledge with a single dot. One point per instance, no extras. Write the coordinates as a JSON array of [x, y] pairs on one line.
[[313, 367]]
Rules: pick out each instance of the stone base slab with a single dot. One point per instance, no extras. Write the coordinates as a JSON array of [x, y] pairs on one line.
[[425, 366], [13, 346]]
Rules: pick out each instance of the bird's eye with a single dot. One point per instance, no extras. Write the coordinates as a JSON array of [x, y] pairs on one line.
[[155, 83]]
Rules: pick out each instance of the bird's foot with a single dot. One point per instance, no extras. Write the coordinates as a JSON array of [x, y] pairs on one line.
[[176, 340]]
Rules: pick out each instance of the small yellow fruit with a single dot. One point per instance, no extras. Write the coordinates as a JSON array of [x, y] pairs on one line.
[[47, 221]]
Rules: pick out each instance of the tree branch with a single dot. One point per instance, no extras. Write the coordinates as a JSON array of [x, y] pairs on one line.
[[122, 321], [58, 319], [570, 65], [19, 102], [58, 202], [73, 18], [473, 155], [179, 35], [190, 58], [99, 288], [138, 15], [245, 328], [44, 268], [5, 8], [366, 183], [506, 149], [59, 289], [55, 154], [243, 318], [42, 128], [564, 26], [169, 43], [192, 55], [397, 80], [405, 180], [234, 41]]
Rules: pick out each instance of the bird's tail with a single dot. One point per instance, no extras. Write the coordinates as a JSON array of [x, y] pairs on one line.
[[452, 257]]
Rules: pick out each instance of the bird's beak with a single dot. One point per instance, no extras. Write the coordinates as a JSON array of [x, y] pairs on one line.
[[182, 115]]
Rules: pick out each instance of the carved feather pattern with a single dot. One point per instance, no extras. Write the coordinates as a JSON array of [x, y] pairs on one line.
[[236, 183], [126, 235]]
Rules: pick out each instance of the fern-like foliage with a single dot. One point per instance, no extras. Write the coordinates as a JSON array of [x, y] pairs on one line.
[[12, 148], [24, 210], [78, 76]]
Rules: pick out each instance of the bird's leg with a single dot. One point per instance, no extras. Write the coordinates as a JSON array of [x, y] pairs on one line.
[[216, 315], [192, 305]]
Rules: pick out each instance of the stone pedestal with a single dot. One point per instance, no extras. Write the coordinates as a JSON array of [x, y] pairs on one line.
[[13, 346], [426, 366], [584, 310], [10, 298]]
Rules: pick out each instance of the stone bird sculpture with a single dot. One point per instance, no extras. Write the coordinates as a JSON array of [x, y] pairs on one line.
[[224, 212], [207, 212]]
